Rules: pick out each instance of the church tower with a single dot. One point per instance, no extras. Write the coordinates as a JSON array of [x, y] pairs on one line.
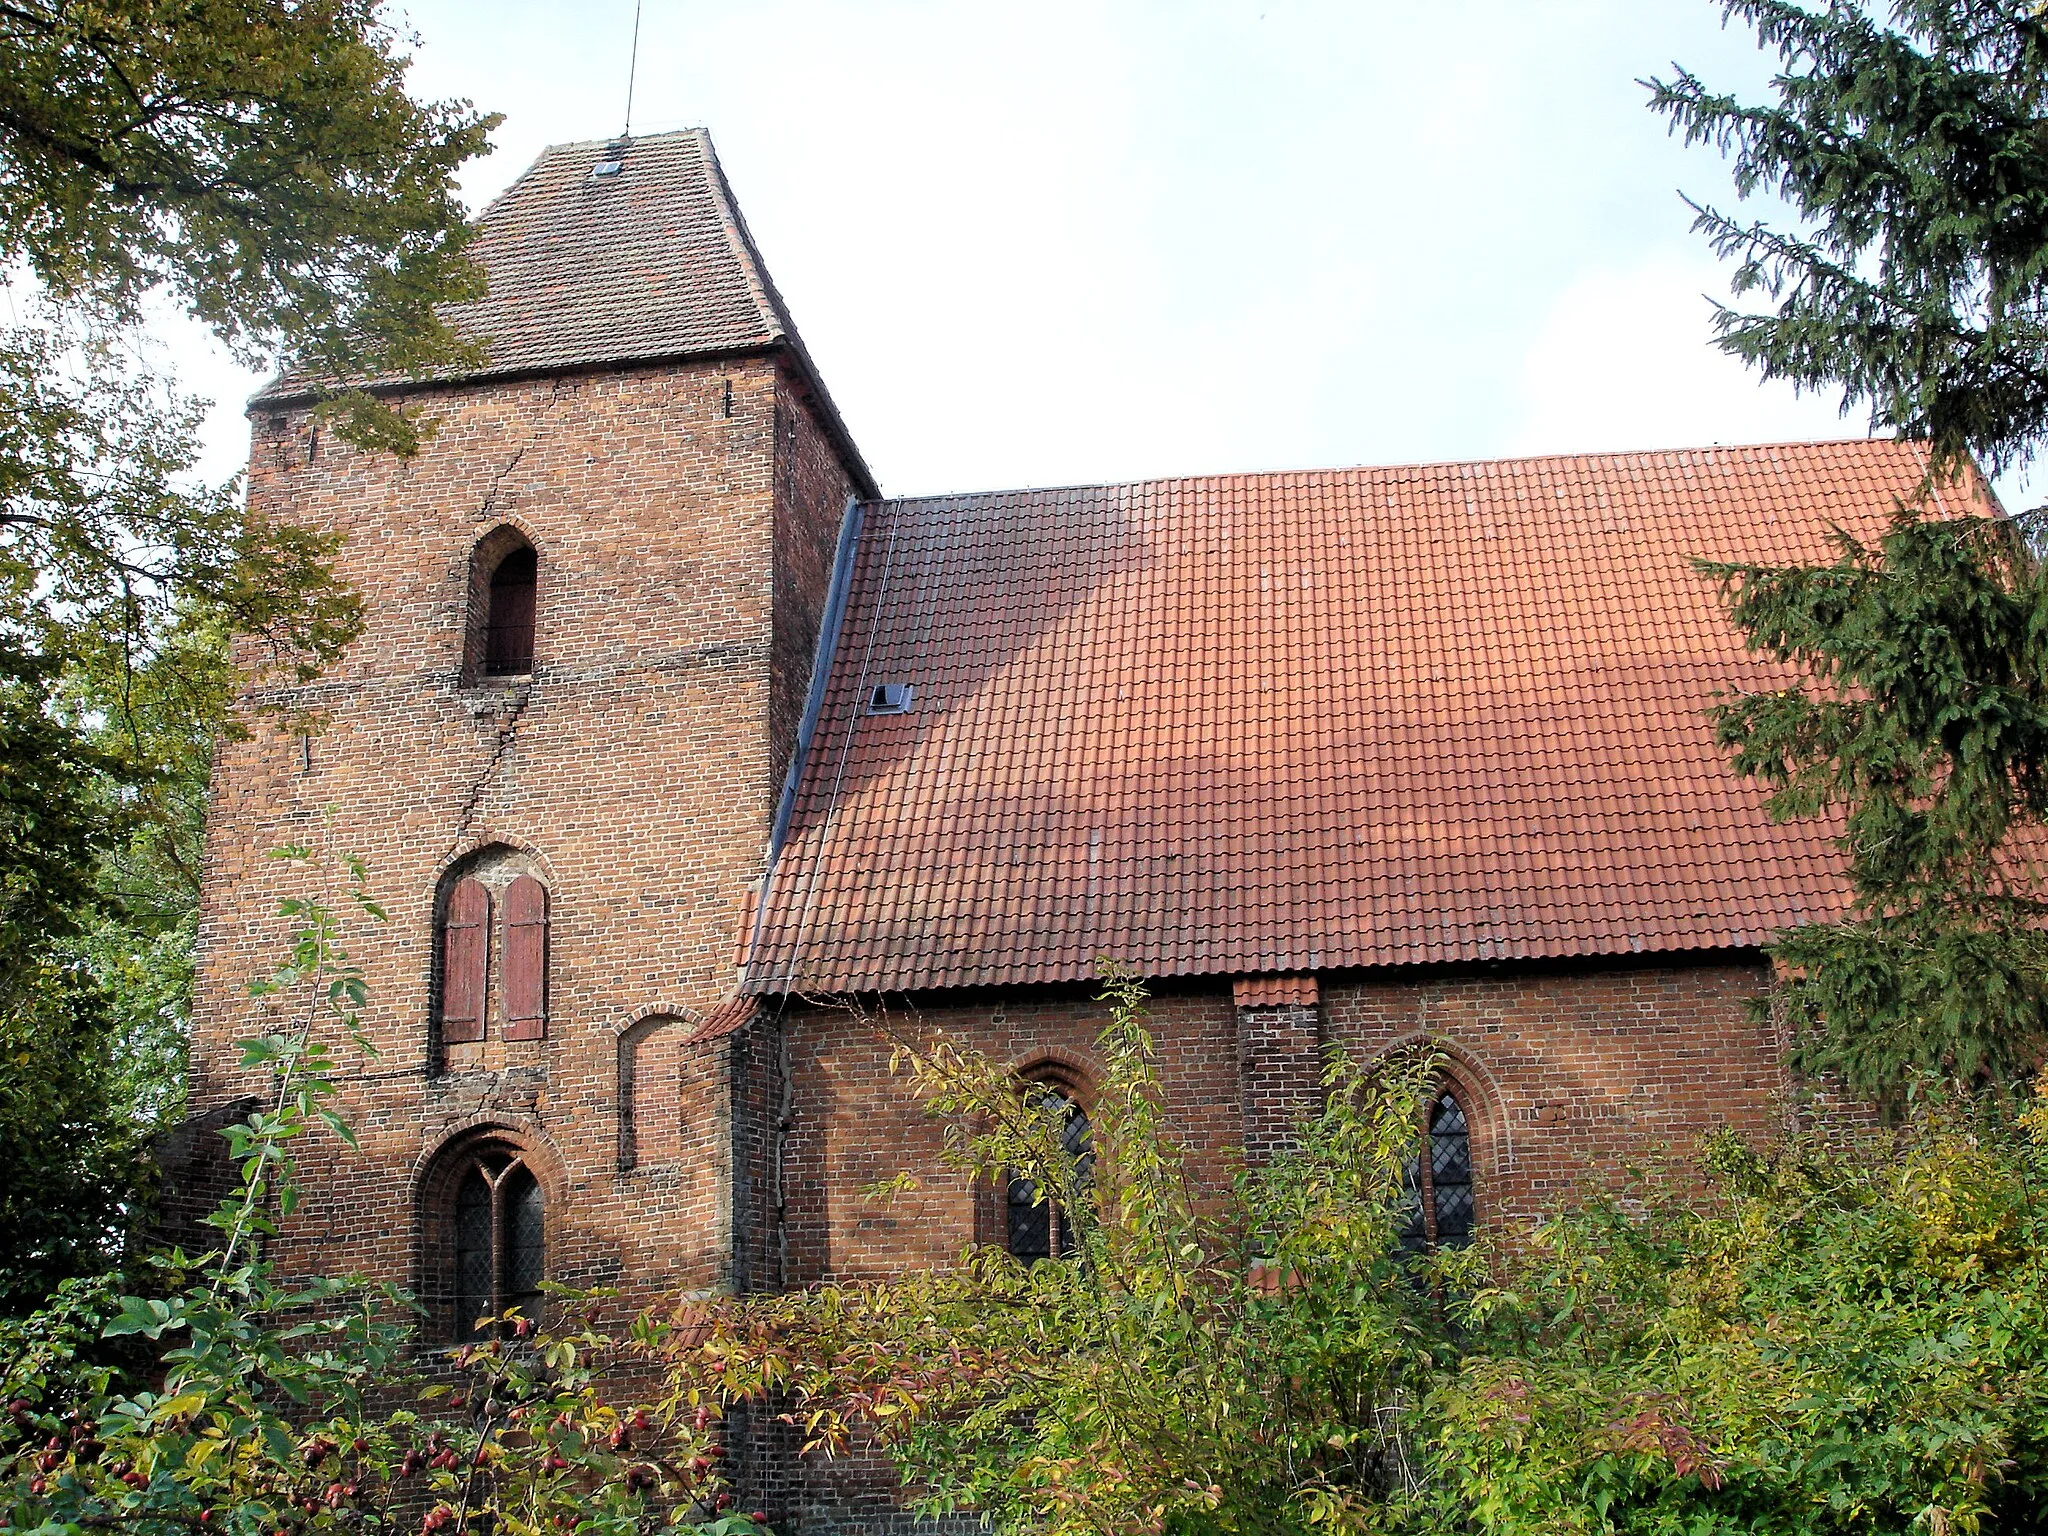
[[591, 604]]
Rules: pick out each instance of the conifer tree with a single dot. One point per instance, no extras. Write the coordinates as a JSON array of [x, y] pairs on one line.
[[1911, 143]]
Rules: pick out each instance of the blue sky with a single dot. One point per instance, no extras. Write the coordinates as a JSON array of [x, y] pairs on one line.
[[1059, 242]]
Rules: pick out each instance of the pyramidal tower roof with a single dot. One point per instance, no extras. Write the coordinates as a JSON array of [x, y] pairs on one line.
[[612, 252]]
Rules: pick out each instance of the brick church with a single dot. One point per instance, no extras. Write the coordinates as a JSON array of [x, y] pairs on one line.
[[667, 730]]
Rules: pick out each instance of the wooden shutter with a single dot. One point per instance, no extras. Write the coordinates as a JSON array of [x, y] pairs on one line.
[[465, 962], [526, 959]]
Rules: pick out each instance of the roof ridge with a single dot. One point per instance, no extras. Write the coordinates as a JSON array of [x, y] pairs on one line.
[[1605, 456], [547, 151]]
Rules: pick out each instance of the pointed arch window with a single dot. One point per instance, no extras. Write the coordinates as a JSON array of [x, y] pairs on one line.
[[510, 614], [1039, 1228], [1441, 1213], [496, 1240]]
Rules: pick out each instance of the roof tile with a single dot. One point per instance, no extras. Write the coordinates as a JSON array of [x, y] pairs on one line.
[[1278, 723]]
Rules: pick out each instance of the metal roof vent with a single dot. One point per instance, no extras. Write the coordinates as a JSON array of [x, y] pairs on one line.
[[890, 699]]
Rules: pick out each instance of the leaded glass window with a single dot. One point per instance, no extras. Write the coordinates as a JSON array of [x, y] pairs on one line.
[[1439, 1180], [1038, 1229], [499, 1245]]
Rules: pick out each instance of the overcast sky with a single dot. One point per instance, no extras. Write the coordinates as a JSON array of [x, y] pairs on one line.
[[1034, 244]]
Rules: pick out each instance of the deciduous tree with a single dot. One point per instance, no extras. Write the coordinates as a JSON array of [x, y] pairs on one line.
[[261, 165]]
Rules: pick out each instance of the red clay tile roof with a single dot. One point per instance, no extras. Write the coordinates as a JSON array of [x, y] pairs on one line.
[[1294, 722], [584, 271], [729, 1017]]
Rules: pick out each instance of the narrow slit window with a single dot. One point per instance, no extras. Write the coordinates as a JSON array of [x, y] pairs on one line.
[[509, 623]]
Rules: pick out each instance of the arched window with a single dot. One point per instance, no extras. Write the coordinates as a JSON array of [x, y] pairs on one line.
[[491, 950], [509, 615], [1439, 1179], [1038, 1229], [495, 1242]]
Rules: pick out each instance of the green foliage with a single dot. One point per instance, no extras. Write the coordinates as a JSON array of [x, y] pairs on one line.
[[1911, 139], [223, 1398], [260, 164], [68, 1158], [261, 160], [1236, 1359], [1850, 1336], [1923, 720]]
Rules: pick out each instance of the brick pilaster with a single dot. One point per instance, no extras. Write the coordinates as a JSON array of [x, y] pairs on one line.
[[1279, 1059]]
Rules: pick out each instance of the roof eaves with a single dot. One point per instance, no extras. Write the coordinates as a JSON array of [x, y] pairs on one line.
[[271, 399]]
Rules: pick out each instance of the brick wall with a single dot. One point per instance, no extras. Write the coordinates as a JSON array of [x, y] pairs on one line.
[[1565, 1073], [1279, 1059], [853, 1123], [811, 492], [678, 513]]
